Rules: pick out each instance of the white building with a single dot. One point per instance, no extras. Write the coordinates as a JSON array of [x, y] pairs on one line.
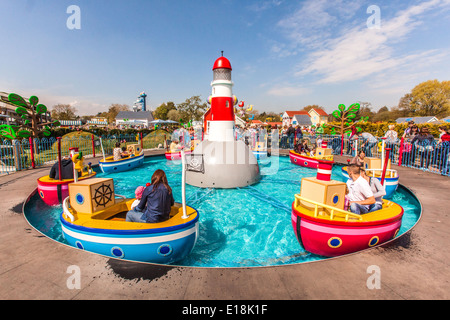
[[137, 119]]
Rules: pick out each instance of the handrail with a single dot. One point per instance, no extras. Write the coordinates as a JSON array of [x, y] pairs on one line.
[[66, 211], [334, 211], [392, 172]]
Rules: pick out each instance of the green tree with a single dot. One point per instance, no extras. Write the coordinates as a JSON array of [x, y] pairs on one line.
[[312, 106], [63, 112], [192, 109], [162, 111], [174, 115], [429, 98], [114, 109]]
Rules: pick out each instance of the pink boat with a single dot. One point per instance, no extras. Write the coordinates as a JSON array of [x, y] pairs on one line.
[[330, 236], [53, 192], [175, 155], [324, 227], [304, 161]]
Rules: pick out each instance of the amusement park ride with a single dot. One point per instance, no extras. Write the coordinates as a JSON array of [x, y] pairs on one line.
[[93, 215]]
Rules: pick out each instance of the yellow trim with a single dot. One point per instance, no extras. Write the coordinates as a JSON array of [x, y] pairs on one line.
[[84, 176], [334, 214], [334, 238], [373, 245], [328, 158], [111, 159], [377, 173]]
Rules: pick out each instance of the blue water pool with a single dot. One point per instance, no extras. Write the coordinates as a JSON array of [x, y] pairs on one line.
[[247, 227]]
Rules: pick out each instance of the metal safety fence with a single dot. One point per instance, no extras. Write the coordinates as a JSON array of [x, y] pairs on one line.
[[17, 155]]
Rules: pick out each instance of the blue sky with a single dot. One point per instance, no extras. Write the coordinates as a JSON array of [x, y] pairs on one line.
[[285, 54]]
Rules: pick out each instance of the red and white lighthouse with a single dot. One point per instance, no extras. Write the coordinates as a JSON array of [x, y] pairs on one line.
[[219, 120]]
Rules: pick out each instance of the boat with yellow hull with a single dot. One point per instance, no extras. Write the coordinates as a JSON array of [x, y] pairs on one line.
[[94, 220]]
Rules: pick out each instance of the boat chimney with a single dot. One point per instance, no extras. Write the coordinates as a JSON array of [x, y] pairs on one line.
[[324, 170]]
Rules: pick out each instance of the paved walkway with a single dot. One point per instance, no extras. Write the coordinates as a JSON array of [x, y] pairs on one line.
[[415, 266]]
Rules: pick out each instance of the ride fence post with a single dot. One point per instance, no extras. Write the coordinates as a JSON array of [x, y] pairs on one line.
[[59, 158], [183, 184], [103, 150], [383, 148], [386, 160], [33, 164], [142, 141], [93, 146], [400, 152]]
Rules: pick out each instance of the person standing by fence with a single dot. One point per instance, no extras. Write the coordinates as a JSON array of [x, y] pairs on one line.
[[369, 142], [409, 150], [291, 135], [441, 158], [284, 137], [391, 141], [424, 142], [298, 134]]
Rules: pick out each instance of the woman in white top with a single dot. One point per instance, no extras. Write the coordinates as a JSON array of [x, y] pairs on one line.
[[391, 141]]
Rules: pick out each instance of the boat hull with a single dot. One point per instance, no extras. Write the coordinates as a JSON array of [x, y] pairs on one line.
[[121, 165], [331, 240], [163, 246], [303, 161], [260, 155], [390, 184], [171, 156]]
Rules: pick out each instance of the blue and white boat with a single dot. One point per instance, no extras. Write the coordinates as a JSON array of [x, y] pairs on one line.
[[107, 233], [390, 181], [260, 155], [108, 165], [260, 151]]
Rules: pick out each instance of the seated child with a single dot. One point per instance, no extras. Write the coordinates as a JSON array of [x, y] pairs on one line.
[[124, 153], [134, 211]]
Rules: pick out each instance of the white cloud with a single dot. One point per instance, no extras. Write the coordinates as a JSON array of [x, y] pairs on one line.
[[288, 91], [336, 50], [316, 21], [360, 51], [264, 5]]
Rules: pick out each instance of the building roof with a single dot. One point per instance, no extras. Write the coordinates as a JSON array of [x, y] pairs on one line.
[[293, 113], [320, 112], [417, 120], [131, 115], [70, 122], [302, 119]]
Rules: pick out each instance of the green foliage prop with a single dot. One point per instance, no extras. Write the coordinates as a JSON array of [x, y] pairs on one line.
[[29, 118]]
